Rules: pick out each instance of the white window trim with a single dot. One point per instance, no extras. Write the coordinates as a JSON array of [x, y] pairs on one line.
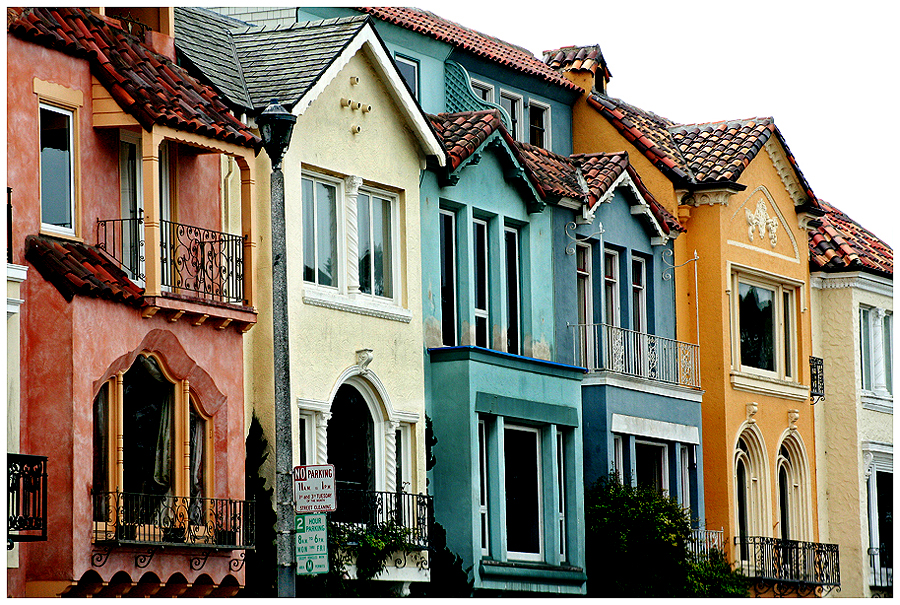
[[483, 508], [518, 103], [684, 460], [547, 122], [415, 65], [611, 307], [72, 116], [406, 459], [878, 395], [454, 340], [372, 193], [618, 456], [640, 313], [310, 287], [664, 457], [486, 312], [518, 301], [132, 138], [561, 496], [528, 556], [485, 86], [587, 302]]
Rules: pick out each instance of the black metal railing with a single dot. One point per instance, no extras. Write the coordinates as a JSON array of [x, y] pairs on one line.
[[123, 239], [789, 561], [364, 508], [26, 498], [881, 568], [125, 518], [614, 349], [704, 541]]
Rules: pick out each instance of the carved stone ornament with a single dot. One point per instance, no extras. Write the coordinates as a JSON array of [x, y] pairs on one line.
[[868, 463], [752, 408], [363, 358], [793, 417], [762, 223]]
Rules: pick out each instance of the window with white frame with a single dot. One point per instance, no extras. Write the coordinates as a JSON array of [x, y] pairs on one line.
[[638, 295], [585, 300], [482, 281], [320, 231], [651, 465], [766, 326], [57, 163], [539, 124], [512, 105], [880, 500], [524, 512], [375, 227], [876, 348], [611, 286], [409, 69], [561, 494], [483, 488], [685, 463], [618, 457], [513, 291], [483, 90], [448, 277]]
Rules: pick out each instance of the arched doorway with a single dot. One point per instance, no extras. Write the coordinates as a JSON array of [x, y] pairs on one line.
[[351, 449]]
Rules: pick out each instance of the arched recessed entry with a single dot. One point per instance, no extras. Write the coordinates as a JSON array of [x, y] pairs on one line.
[[351, 440], [794, 508], [751, 487]]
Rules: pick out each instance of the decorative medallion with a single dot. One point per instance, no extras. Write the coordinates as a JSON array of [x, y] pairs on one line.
[[363, 359], [762, 223], [793, 417]]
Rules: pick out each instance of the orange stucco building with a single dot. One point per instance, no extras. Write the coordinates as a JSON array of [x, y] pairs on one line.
[[737, 190]]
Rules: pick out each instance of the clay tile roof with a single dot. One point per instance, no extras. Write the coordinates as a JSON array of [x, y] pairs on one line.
[[577, 58], [463, 133], [558, 175], [840, 243], [78, 268], [148, 86], [463, 38]]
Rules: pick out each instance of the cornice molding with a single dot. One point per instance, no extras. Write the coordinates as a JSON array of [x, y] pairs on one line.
[[711, 197], [857, 279], [785, 171]]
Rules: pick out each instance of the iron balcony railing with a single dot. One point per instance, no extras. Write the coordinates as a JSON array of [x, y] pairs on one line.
[[704, 541], [363, 508], [194, 260], [26, 498], [603, 347], [789, 561], [145, 519], [881, 568]]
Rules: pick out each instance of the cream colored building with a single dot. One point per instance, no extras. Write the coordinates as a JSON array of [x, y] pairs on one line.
[[852, 304]]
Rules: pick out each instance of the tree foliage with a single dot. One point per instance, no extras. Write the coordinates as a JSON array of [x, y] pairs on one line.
[[261, 562]]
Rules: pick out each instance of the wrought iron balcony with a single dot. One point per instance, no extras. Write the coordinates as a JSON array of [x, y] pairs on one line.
[[201, 262], [777, 561], [413, 512], [704, 541], [145, 519], [26, 498], [602, 347], [881, 569]]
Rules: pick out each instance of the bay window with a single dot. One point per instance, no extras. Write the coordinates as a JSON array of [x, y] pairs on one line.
[[765, 326], [524, 518], [611, 286], [876, 346]]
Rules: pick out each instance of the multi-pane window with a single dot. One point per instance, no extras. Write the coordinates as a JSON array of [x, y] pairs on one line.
[[409, 69], [513, 340], [484, 91], [512, 104], [538, 125], [320, 261], [611, 286], [524, 513], [766, 327], [375, 251], [448, 277], [638, 295], [482, 280], [57, 169], [876, 346]]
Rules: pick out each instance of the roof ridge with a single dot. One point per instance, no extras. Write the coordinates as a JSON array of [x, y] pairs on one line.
[[743, 121]]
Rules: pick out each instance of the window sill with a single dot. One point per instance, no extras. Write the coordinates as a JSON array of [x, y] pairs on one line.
[[360, 304], [774, 387], [877, 402], [533, 571], [56, 232]]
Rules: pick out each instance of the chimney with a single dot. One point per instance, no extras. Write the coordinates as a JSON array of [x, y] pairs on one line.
[[155, 26], [583, 65]]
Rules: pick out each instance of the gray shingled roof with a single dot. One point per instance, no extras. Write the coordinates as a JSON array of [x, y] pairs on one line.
[[251, 65]]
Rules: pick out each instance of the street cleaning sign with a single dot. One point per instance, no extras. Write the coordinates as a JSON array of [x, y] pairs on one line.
[[314, 489], [312, 544]]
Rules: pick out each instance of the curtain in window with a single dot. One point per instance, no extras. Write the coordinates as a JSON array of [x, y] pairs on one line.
[[162, 469]]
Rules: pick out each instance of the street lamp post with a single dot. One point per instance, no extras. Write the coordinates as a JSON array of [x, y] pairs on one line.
[[276, 125]]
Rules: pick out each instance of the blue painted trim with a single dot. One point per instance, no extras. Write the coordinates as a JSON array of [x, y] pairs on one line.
[[450, 353]]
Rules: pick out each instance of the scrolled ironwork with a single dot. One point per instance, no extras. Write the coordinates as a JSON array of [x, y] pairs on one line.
[[364, 508], [198, 562], [237, 563], [789, 564], [143, 559], [100, 557], [570, 233], [26, 498], [123, 240], [206, 262]]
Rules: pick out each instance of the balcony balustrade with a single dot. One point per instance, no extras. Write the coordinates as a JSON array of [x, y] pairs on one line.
[[777, 561], [26, 498], [881, 569], [362, 508], [704, 541], [603, 347], [146, 519], [200, 262]]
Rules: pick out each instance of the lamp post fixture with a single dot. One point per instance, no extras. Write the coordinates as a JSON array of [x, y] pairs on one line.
[[276, 125]]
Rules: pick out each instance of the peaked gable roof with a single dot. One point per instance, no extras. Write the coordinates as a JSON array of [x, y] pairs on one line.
[[469, 40], [841, 244], [146, 85]]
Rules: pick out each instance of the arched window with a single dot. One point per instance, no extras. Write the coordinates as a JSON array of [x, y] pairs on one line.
[[793, 490], [351, 440], [751, 487]]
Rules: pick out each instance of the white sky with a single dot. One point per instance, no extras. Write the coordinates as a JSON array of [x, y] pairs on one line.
[[825, 71]]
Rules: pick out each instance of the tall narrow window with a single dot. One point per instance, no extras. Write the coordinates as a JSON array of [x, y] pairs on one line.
[[319, 232], [399, 458], [132, 204], [561, 499], [524, 530], [375, 245], [57, 169], [638, 295], [512, 104], [448, 277], [512, 291], [618, 457], [685, 462], [788, 334], [611, 287], [538, 123], [482, 290], [650, 466], [483, 488], [742, 484], [585, 306], [784, 503], [757, 327], [865, 348]]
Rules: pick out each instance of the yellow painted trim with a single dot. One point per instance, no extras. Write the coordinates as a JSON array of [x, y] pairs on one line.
[[58, 92]]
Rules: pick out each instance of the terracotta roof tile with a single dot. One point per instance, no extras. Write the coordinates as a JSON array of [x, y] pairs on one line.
[[78, 268], [840, 243], [577, 58], [487, 47], [146, 85], [463, 133]]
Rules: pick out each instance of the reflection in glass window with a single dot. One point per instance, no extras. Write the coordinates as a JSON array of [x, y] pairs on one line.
[[57, 168], [319, 232], [375, 248], [757, 324]]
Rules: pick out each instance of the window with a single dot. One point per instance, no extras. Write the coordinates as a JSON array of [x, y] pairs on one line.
[[57, 169], [561, 494], [881, 521], [132, 204], [685, 462], [651, 465], [482, 278], [375, 228], [483, 90], [409, 69], [766, 324], [448, 277], [539, 125], [876, 347], [483, 488], [618, 457], [638, 295], [319, 232], [611, 286], [524, 525], [512, 291], [585, 301], [512, 105]]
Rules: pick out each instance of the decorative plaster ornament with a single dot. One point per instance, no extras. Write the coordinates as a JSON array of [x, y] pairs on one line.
[[752, 408], [762, 222], [363, 358], [793, 417], [868, 463]]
